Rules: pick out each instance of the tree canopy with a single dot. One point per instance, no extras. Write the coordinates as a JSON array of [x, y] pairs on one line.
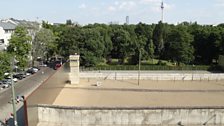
[[20, 46], [186, 43]]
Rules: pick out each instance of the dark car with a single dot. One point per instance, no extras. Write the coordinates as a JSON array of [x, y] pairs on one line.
[[7, 81], [19, 76], [32, 70]]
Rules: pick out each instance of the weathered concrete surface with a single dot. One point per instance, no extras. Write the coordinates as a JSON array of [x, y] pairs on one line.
[[129, 116], [46, 93], [147, 75], [56, 90], [74, 69], [221, 61]]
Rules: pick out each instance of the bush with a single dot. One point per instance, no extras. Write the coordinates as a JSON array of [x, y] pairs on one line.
[[161, 63]]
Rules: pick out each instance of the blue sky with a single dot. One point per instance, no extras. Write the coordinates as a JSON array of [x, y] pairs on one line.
[[105, 11]]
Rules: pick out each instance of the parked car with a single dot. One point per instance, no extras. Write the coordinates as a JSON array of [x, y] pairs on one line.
[[19, 76], [34, 67], [32, 70], [7, 81], [15, 80], [5, 86], [43, 65], [57, 65]]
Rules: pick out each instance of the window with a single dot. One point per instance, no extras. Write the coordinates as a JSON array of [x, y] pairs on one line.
[[6, 31], [1, 41]]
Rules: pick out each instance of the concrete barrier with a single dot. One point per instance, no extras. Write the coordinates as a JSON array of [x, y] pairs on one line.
[[152, 76], [221, 61], [70, 116]]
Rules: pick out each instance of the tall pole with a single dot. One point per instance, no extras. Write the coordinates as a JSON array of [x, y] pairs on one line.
[[13, 94], [139, 66], [162, 8]]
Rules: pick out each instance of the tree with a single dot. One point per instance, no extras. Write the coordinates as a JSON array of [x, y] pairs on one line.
[[151, 49], [121, 41], [44, 44], [20, 46], [69, 40], [141, 43], [4, 63], [158, 38], [91, 47], [179, 46], [105, 32]]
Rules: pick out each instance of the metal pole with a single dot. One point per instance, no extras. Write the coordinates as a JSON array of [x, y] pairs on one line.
[[139, 67], [13, 95]]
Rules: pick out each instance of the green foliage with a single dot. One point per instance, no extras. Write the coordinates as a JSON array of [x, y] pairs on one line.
[[20, 46], [158, 37], [91, 47], [44, 44], [121, 41], [178, 47], [4, 63], [186, 43], [69, 40]]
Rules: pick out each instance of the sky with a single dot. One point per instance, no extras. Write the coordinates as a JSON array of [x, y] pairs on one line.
[[105, 11]]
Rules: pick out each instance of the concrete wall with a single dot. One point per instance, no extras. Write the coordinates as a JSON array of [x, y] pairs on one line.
[[221, 61], [130, 116], [152, 76], [46, 93]]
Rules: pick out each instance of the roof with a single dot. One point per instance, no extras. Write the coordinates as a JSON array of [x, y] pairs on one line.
[[7, 26]]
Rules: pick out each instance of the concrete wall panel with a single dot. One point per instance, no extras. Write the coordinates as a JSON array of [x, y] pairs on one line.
[[116, 116], [152, 76]]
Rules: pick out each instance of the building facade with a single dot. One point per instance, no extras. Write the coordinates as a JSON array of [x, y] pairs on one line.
[[6, 30]]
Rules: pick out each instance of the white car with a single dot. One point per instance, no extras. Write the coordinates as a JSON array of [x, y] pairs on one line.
[[15, 79], [35, 70], [5, 86]]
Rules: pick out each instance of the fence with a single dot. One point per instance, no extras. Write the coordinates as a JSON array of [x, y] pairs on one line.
[[148, 67], [125, 75]]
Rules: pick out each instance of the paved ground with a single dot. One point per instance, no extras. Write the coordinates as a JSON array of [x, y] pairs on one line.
[[127, 93], [23, 87]]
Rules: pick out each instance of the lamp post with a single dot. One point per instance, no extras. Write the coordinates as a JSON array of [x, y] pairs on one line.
[[13, 94], [139, 66]]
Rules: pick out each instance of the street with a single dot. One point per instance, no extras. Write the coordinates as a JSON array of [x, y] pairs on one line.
[[23, 87]]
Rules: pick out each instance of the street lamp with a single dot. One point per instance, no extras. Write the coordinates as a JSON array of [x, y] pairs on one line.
[[139, 66], [13, 93]]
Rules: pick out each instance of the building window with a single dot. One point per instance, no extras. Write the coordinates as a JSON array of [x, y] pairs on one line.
[[1, 41]]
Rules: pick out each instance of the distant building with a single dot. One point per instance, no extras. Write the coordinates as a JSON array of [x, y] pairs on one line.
[[7, 27], [127, 20], [6, 30], [114, 23]]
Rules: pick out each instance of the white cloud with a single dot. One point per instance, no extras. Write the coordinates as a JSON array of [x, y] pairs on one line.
[[82, 6], [123, 5], [133, 5], [127, 5], [111, 8], [150, 1], [219, 3]]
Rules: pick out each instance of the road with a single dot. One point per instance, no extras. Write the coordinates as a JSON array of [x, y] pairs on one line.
[[23, 87]]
